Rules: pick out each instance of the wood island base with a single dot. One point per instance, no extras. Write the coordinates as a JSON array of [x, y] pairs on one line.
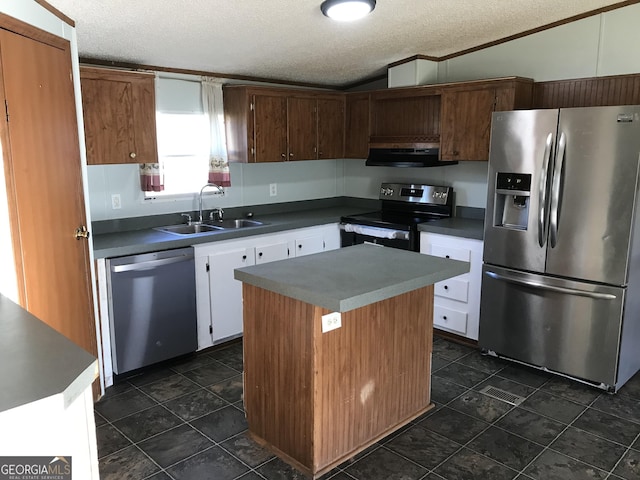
[[317, 399]]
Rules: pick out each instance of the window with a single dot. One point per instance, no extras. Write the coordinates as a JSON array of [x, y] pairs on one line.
[[183, 137]]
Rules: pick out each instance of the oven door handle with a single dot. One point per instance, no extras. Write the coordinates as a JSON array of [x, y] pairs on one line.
[[375, 232]]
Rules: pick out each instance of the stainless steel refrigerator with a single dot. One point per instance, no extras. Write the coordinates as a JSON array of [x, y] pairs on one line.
[[561, 276]]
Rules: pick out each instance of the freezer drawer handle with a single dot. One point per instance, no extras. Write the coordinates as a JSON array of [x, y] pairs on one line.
[[150, 264], [544, 203], [555, 191], [571, 291]]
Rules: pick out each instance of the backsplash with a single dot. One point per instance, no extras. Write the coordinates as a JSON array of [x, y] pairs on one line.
[[468, 179], [295, 181], [250, 186]]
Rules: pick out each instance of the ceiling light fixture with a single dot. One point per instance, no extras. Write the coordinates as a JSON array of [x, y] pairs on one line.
[[347, 10]]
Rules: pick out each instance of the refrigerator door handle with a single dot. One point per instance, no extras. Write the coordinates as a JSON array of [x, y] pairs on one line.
[[555, 191], [552, 288], [543, 189]]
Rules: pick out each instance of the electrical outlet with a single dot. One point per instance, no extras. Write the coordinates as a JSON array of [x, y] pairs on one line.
[[273, 189], [115, 201], [331, 321]]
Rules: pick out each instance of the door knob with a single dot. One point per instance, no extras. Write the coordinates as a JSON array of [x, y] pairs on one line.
[[81, 232]]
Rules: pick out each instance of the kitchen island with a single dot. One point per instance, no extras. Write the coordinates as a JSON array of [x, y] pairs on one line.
[[319, 390]]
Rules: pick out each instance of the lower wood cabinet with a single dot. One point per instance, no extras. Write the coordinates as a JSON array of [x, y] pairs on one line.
[[219, 295], [456, 301]]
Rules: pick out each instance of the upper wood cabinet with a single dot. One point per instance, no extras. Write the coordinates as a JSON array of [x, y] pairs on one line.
[[356, 125], [403, 116], [331, 134], [466, 115], [274, 125], [268, 130], [119, 116], [302, 120]]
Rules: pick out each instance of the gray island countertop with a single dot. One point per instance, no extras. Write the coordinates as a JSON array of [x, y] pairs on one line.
[[37, 362], [352, 277]]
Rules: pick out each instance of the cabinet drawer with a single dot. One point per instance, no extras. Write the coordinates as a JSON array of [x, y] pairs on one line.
[[463, 254], [450, 319], [453, 288]]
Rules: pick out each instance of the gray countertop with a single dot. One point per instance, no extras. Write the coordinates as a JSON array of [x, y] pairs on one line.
[[351, 277], [456, 226], [136, 235], [149, 240], [37, 362]]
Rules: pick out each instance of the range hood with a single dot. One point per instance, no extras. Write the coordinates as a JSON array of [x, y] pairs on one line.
[[405, 156]]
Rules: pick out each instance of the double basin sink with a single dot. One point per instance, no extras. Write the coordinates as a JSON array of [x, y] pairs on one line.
[[210, 227]]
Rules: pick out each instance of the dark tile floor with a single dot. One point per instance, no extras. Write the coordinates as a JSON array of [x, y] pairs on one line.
[[185, 422]]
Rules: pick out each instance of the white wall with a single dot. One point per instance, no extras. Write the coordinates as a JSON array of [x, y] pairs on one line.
[[605, 44], [250, 186], [468, 179]]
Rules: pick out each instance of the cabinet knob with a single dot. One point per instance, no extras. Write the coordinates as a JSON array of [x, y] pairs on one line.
[[282, 155], [132, 155], [444, 317], [300, 246], [291, 154], [446, 287], [244, 257], [260, 254], [446, 256]]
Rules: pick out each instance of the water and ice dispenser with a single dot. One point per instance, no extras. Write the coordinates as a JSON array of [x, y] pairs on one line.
[[513, 194]]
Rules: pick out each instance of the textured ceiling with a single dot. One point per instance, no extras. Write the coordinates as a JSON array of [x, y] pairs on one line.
[[291, 40]]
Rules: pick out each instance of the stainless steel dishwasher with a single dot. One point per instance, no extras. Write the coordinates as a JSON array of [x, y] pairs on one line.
[[152, 307]]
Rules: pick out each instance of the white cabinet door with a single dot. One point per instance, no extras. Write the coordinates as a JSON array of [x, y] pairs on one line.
[[203, 302], [219, 295], [456, 300], [226, 292], [272, 252], [331, 236], [309, 244]]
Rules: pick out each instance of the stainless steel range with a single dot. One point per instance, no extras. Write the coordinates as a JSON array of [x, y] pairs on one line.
[[404, 207]]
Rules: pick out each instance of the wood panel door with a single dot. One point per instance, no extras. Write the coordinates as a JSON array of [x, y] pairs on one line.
[[330, 128], [270, 128], [466, 124], [44, 182], [302, 120]]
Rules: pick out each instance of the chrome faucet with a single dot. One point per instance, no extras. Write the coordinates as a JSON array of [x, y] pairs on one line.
[[200, 198], [216, 214]]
